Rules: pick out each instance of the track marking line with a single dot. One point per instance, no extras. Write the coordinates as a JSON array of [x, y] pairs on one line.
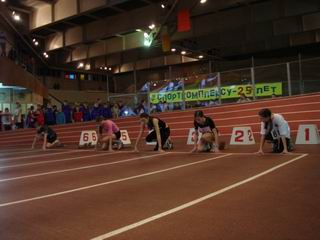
[[242, 153], [192, 203], [80, 168], [110, 182], [47, 154], [61, 160]]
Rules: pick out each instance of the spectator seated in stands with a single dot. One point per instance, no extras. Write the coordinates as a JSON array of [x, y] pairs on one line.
[[243, 98]]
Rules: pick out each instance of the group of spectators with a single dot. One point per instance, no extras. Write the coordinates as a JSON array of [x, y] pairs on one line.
[[68, 113]]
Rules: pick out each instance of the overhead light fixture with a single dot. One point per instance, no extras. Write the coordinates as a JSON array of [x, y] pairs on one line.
[[138, 30], [200, 57], [81, 65], [16, 17], [173, 49], [163, 6], [3, 0], [203, 1], [183, 52], [34, 40], [36, 43], [152, 26], [110, 68], [105, 68], [101, 68]]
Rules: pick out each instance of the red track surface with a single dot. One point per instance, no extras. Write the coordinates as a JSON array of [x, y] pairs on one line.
[[82, 194]]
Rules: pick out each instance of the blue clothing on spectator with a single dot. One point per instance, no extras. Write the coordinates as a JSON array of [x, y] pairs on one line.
[[106, 112], [49, 116], [66, 109], [86, 114], [60, 118], [95, 112]]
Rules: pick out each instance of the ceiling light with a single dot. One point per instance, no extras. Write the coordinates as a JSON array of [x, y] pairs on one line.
[[138, 30], [201, 56], [110, 68], [203, 1], [33, 40], [105, 68], [101, 68], [16, 17], [146, 35], [3, 0], [173, 49], [36, 43], [163, 6], [183, 52], [152, 26], [81, 65]]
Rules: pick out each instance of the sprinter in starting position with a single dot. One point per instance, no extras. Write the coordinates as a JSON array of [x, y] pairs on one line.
[[275, 129], [49, 136], [209, 141], [159, 132], [109, 133]]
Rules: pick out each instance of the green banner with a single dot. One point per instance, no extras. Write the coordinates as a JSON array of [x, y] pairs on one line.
[[207, 94]]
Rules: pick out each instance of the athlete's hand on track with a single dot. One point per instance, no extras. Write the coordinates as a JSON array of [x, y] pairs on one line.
[[286, 152], [216, 150], [260, 152], [194, 150], [161, 150]]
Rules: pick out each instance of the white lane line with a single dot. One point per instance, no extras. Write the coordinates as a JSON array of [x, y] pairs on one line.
[[61, 160], [80, 168], [47, 154], [109, 182], [240, 153], [192, 203]]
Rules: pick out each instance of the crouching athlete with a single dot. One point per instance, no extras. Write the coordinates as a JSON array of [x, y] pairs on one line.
[[49, 137], [159, 132]]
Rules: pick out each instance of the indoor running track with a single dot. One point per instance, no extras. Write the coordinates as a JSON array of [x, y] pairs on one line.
[[76, 194]]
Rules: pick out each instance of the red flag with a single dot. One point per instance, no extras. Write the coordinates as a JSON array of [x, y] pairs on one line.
[[184, 24]]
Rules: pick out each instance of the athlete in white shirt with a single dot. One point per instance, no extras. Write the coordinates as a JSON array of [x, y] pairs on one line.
[[276, 129]]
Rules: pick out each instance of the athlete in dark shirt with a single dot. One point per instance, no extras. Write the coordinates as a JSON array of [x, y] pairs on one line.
[[159, 132], [49, 136], [206, 126]]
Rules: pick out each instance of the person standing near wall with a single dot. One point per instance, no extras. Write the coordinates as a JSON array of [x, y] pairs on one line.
[[6, 119], [66, 109], [18, 116]]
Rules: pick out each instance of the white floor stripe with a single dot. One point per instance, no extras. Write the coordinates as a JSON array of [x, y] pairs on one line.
[[61, 160], [192, 203], [46, 154], [109, 182], [81, 168]]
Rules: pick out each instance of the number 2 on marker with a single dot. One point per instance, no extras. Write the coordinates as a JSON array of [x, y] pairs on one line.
[[239, 136]]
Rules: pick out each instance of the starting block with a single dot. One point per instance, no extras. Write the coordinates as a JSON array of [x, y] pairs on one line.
[[242, 136], [88, 138], [125, 137], [308, 134], [191, 136]]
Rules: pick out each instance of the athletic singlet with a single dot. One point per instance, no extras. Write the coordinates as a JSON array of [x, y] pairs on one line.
[[47, 130], [109, 127], [206, 127], [162, 124]]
